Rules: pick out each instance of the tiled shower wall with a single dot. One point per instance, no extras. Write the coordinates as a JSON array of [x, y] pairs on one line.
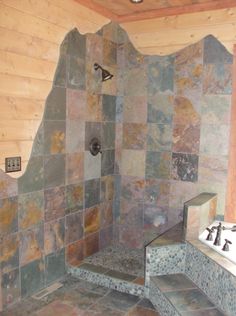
[[164, 125], [172, 135], [60, 210]]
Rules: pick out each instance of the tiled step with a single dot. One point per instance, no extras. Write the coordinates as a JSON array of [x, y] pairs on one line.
[[176, 294], [111, 279]]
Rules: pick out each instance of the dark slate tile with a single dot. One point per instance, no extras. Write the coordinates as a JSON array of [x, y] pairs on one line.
[[108, 107], [141, 311], [92, 129], [76, 73], [108, 136], [189, 300], [55, 108], [120, 301], [60, 74], [76, 44], [215, 52], [146, 304], [54, 170], [38, 144], [119, 108], [184, 167], [55, 266], [158, 165], [10, 288], [174, 282], [33, 178], [32, 277], [108, 162], [74, 227], [8, 216], [74, 197], [92, 192], [98, 309]]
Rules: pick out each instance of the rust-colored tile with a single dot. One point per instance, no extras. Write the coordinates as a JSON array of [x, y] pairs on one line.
[[75, 253], [8, 216], [91, 244], [92, 219]]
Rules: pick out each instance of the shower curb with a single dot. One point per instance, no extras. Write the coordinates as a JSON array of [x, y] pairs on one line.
[[107, 281]]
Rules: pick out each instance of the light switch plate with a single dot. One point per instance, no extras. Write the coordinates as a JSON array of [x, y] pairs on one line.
[[12, 164]]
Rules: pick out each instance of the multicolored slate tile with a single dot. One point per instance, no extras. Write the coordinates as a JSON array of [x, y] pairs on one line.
[[8, 216], [92, 218], [74, 167], [74, 227], [54, 266], [91, 244], [74, 197], [135, 109], [31, 209], [134, 136], [54, 235], [75, 253], [76, 104], [9, 252], [55, 203], [184, 167]]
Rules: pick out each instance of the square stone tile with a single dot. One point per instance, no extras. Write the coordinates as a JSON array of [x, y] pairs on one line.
[[135, 109], [109, 52], [106, 237], [76, 44], [174, 282], [132, 188], [75, 253], [189, 300], [184, 167], [8, 216], [32, 277], [215, 109], [10, 287], [159, 137], [54, 170], [108, 108], [185, 112], [74, 168], [74, 227], [54, 137], [55, 108], [155, 218], [94, 108], [30, 209], [55, 266], [137, 87], [158, 165], [92, 166], [106, 210], [141, 311], [107, 188], [134, 136], [76, 72], [92, 192], [33, 178], [76, 104], [186, 139], [8, 185], [160, 108], [74, 197], [31, 245], [133, 163], [91, 244], [160, 74], [108, 131], [9, 252], [92, 219], [75, 136], [108, 162], [54, 203], [120, 301], [54, 236], [215, 52], [92, 130], [157, 192]]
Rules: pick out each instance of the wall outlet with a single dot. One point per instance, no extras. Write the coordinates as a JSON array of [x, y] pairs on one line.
[[12, 164]]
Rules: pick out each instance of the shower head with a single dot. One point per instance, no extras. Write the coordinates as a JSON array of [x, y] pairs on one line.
[[106, 75]]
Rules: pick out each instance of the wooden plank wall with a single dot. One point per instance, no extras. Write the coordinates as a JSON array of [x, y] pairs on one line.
[[163, 36], [31, 32]]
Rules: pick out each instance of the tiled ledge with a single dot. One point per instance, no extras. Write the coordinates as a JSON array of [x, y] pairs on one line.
[[215, 256]]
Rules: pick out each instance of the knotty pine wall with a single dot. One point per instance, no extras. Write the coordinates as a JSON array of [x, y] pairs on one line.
[[30, 35]]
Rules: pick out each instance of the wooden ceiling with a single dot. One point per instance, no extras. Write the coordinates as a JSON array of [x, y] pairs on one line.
[[125, 11]]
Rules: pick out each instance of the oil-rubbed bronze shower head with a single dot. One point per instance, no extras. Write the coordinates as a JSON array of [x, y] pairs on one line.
[[106, 75]]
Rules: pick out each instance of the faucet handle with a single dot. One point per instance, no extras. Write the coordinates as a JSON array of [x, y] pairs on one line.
[[209, 236], [226, 245]]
